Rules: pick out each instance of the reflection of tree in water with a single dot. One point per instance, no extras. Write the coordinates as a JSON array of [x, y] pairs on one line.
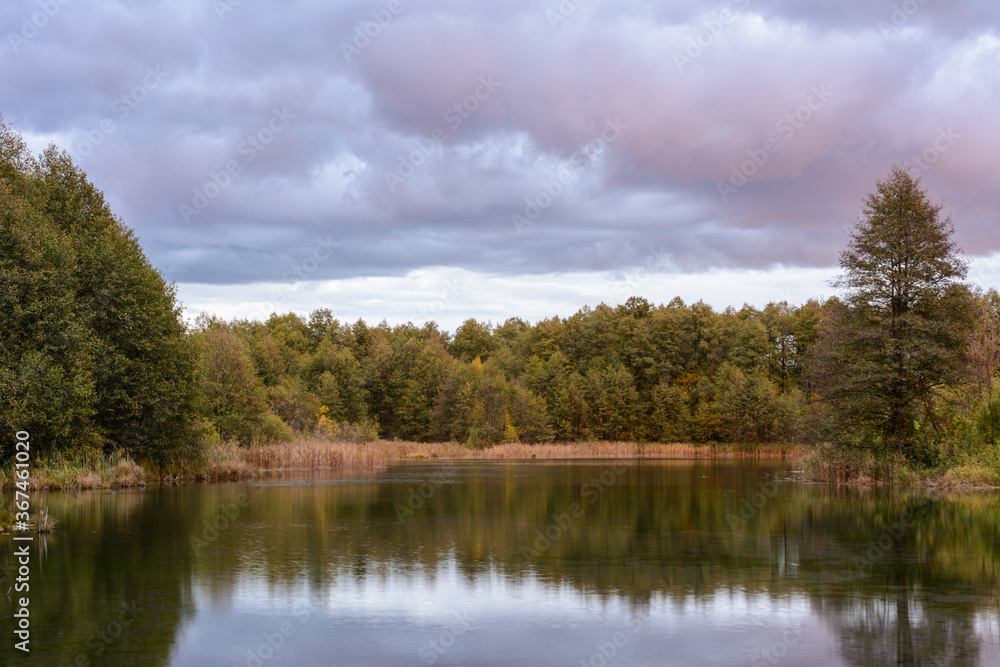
[[663, 532], [919, 593], [112, 585], [898, 632]]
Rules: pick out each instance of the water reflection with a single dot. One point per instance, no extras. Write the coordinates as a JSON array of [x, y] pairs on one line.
[[680, 562]]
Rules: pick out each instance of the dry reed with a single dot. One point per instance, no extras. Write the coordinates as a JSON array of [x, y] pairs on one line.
[[111, 471], [231, 461], [600, 450]]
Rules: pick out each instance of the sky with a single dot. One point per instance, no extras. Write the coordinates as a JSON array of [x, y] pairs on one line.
[[446, 160]]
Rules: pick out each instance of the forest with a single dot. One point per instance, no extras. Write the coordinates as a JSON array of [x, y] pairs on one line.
[[672, 373], [95, 354]]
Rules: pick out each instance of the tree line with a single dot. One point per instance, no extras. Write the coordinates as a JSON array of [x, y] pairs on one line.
[[95, 355], [675, 372]]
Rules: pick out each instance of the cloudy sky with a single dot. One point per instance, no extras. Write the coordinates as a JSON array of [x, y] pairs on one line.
[[444, 159]]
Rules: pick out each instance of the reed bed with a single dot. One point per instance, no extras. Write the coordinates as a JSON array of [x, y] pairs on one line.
[[231, 461], [39, 522], [320, 454], [228, 461], [81, 471], [614, 450]]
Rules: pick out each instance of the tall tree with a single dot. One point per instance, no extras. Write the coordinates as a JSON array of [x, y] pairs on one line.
[[984, 342], [92, 348], [901, 333]]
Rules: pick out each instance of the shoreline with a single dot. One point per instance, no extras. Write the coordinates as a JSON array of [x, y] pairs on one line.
[[230, 462]]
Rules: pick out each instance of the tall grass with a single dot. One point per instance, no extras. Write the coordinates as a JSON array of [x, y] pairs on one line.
[[79, 471], [842, 465], [319, 454], [605, 450], [230, 461]]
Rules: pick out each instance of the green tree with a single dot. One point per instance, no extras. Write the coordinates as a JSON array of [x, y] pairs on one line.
[[901, 333], [425, 376], [529, 414], [984, 342], [472, 340], [235, 401], [94, 352], [671, 417], [749, 407], [614, 402], [473, 407]]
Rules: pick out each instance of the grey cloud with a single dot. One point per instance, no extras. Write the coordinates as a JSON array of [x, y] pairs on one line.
[[654, 185]]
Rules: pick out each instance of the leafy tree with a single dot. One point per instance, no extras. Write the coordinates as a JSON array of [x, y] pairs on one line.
[[323, 326], [671, 417], [636, 343], [472, 340], [984, 342], [529, 415], [235, 401], [480, 398], [267, 357], [381, 380], [425, 376], [749, 407], [902, 331], [94, 352]]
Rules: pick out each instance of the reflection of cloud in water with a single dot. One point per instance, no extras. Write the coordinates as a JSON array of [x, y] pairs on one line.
[[656, 545], [391, 611]]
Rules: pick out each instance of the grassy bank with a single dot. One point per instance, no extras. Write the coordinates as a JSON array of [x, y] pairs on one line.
[[79, 471], [602, 450], [849, 466], [229, 461]]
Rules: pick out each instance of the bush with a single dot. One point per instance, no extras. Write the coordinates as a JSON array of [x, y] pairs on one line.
[[93, 351], [336, 431], [671, 417], [849, 465], [271, 429]]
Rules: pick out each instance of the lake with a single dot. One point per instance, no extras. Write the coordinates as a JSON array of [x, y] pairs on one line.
[[600, 563]]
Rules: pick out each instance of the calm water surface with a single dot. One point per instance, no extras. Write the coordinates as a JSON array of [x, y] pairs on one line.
[[493, 563]]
